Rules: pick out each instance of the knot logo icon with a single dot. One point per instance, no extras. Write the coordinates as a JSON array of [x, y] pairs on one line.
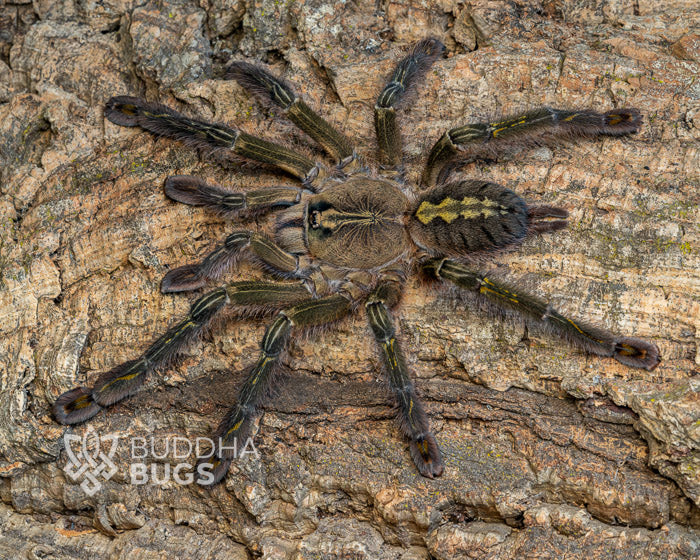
[[88, 461]]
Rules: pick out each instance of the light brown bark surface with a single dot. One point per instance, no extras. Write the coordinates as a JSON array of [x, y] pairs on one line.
[[549, 453]]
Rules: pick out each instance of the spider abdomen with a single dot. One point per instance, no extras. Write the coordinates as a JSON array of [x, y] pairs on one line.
[[468, 217]]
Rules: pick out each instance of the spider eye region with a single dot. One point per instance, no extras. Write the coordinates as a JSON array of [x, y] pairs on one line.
[[314, 219], [316, 213], [332, 220]]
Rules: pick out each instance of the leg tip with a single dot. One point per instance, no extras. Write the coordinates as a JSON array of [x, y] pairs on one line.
[[75, 406], [541, 219], [546, 226], [429, 47], [622, 121], [541, 211], [211, 471], [183, 279], [427, 457], [638, 353], [123, 110], [185, 189]]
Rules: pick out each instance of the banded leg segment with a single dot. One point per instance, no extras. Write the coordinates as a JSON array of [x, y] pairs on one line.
[[235, 426], [410, 415], [630, 351], [195, 192], [225, 256], [531, 128], [275, 90], [163, 121], [82, 403], [265, 296], [408, 71]]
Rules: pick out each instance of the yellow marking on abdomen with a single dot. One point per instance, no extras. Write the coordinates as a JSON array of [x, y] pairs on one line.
[[449, 209]]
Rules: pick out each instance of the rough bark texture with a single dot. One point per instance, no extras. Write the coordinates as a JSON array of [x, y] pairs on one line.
[[549, 453]]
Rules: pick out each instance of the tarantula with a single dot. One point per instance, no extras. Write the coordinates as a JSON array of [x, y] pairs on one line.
[[349, 235]]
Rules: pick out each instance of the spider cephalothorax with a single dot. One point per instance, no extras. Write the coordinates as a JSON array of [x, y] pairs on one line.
[[350, 235]]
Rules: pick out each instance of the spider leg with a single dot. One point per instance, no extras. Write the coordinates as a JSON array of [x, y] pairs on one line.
[[540, 219], [407, 72], [216, 263], [82, 403], [236, 425], [532, 128], [164, 121], [275, 90], [195, 192], [630, 351], [411, 417]]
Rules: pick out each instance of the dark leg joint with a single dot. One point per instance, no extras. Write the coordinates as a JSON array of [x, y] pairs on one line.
[[276, 336], [208, 305], [380, 322]]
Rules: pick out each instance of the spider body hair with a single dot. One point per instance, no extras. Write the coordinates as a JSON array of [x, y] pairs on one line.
[[516, 132], [161, 120], [399, 88], [346, 239], [229, 204], [538, 313], [125, 379], [210, 137]]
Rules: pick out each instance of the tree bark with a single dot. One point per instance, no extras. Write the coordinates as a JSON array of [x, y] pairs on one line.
[[549, 452]]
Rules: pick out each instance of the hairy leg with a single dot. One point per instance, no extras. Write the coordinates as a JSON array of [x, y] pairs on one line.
[[540, 126], [259, 247], [541, 219], [630, 351], [235, 426], [82, 403], [407, 72], [410, 415], [275, 90], [164, 121], [195, 192]]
